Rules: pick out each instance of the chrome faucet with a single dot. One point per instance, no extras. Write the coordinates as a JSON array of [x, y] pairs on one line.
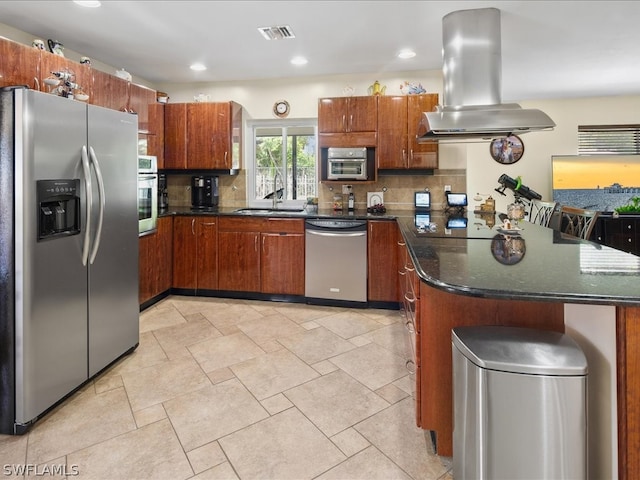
[[275, 199]]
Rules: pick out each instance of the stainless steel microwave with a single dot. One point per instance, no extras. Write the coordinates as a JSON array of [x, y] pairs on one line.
[[347, 163]]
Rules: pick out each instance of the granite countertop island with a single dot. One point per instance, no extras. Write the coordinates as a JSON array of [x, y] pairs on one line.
[[534, 263]]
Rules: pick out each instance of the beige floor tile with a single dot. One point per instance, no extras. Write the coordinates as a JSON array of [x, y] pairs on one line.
[[224, 471], [350, 442], [276, 404], [147, 354], [372, 365], [159, 383], [220, 375], [55, 469], [391, 393], [179, 336], [152, 452], [370, 464], [268, 328], [104, 383], [206, 456], [386, 317], [160, 317], [304, 313], [285, 446], [230, 315], [348, 323], [225, 351], [149, 415], [207, 414], [273, 373], [190, 305], [394, 432], [324, 367], [393, 338], [316, 345], [13, 449], [82, 420], [335, 402]]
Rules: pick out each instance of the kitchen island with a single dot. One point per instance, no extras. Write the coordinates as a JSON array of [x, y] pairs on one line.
[[475, 275]]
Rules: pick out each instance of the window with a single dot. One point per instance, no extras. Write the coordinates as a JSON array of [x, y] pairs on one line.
[[282, 161], [608, 139]]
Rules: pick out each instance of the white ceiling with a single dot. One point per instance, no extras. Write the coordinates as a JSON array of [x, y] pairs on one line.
[[550, 49]]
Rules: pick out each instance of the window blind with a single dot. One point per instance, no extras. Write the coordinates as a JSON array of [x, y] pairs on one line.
[[608, 139]]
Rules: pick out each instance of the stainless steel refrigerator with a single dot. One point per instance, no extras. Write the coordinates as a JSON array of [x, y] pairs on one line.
[[68, 248]]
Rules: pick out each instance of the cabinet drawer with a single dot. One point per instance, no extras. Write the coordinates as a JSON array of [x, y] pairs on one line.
[[241, 224], [283, 225]]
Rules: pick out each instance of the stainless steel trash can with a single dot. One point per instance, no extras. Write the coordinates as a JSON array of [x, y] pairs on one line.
[[519, 404]]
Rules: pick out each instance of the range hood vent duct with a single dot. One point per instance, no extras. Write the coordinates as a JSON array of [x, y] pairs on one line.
[[472, 71]]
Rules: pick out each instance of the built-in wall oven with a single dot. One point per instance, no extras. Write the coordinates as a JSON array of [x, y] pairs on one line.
[[147, 194]]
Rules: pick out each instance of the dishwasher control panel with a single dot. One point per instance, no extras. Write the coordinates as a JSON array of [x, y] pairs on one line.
[[333, 224]]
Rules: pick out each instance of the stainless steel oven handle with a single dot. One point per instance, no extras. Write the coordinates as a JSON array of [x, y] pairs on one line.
[[336, 234], [101, 192], [88, 206]]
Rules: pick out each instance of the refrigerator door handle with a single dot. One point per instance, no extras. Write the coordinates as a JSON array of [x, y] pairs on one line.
[[96, 166], [87, 187]]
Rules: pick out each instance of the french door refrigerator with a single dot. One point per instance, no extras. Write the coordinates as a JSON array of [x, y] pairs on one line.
[[68, 248]]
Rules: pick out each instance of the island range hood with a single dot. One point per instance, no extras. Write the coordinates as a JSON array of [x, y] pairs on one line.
[[472, 71]]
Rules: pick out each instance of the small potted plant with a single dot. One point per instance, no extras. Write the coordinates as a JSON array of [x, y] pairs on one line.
[[633, 207]]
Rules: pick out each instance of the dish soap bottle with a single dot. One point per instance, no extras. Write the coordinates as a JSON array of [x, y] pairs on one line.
[[351, 202]]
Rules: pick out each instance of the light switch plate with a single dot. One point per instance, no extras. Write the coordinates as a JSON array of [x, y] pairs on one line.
[[375, 198]]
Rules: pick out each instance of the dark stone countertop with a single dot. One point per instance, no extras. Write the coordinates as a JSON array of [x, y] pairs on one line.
[[536, 264]]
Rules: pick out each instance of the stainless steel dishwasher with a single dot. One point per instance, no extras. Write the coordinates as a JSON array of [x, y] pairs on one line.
[[336, 260]]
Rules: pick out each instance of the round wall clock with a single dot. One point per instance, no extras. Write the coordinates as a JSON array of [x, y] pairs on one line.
[[281, 108], [507, 150]]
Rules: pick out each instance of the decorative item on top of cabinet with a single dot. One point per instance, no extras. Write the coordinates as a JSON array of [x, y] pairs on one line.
[[19, 65], [398, 119], [348, 121], [203, 135]]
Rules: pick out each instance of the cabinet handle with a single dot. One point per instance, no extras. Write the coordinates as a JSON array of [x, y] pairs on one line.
[[411, 154], [410, 299], [208, 224], [402, 272], [226, 155], [401, 243], [350, 122], [193, 226], [344, 123], [409, 326], [263, 250], [255, 243], [411, 367], [36, 83]]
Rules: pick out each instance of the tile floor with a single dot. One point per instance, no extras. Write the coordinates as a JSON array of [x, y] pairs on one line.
[[237, 389]]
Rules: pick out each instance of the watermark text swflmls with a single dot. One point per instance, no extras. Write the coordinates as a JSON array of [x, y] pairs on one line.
[[46, 470]]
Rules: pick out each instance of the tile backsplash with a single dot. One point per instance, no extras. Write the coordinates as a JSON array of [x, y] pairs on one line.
[[398, 189]]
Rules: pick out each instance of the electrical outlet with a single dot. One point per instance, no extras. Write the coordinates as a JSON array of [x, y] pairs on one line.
[[346, 189], [447, 188]]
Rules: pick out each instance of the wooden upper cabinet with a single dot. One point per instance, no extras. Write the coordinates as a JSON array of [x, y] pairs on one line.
[[398, 119], [109, 91], [140, 98], [155, 139], [19, 64], [203, 135], [348, 114], [175, 136]]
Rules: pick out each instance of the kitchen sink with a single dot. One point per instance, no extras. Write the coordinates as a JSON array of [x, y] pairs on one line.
[[269, 210]]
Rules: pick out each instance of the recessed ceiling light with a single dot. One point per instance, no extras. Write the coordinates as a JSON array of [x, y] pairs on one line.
[[404, 54], [299, 61], [198, 67], [89, 4]]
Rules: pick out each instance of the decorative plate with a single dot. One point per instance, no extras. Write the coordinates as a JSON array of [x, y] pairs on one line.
[[507, 150]]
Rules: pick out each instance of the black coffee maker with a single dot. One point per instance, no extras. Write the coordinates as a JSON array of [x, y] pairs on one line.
[[204, 191]]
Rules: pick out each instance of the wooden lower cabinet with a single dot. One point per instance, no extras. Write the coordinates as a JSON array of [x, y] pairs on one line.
[[383, 236], [263, 255], [195, 252], [155, 268], [239, 261], [439, 312]]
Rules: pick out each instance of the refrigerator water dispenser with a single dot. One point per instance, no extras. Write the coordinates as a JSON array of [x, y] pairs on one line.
[[58, 208]]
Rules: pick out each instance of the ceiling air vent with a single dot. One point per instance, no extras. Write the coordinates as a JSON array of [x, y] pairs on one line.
[[277, 33]]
